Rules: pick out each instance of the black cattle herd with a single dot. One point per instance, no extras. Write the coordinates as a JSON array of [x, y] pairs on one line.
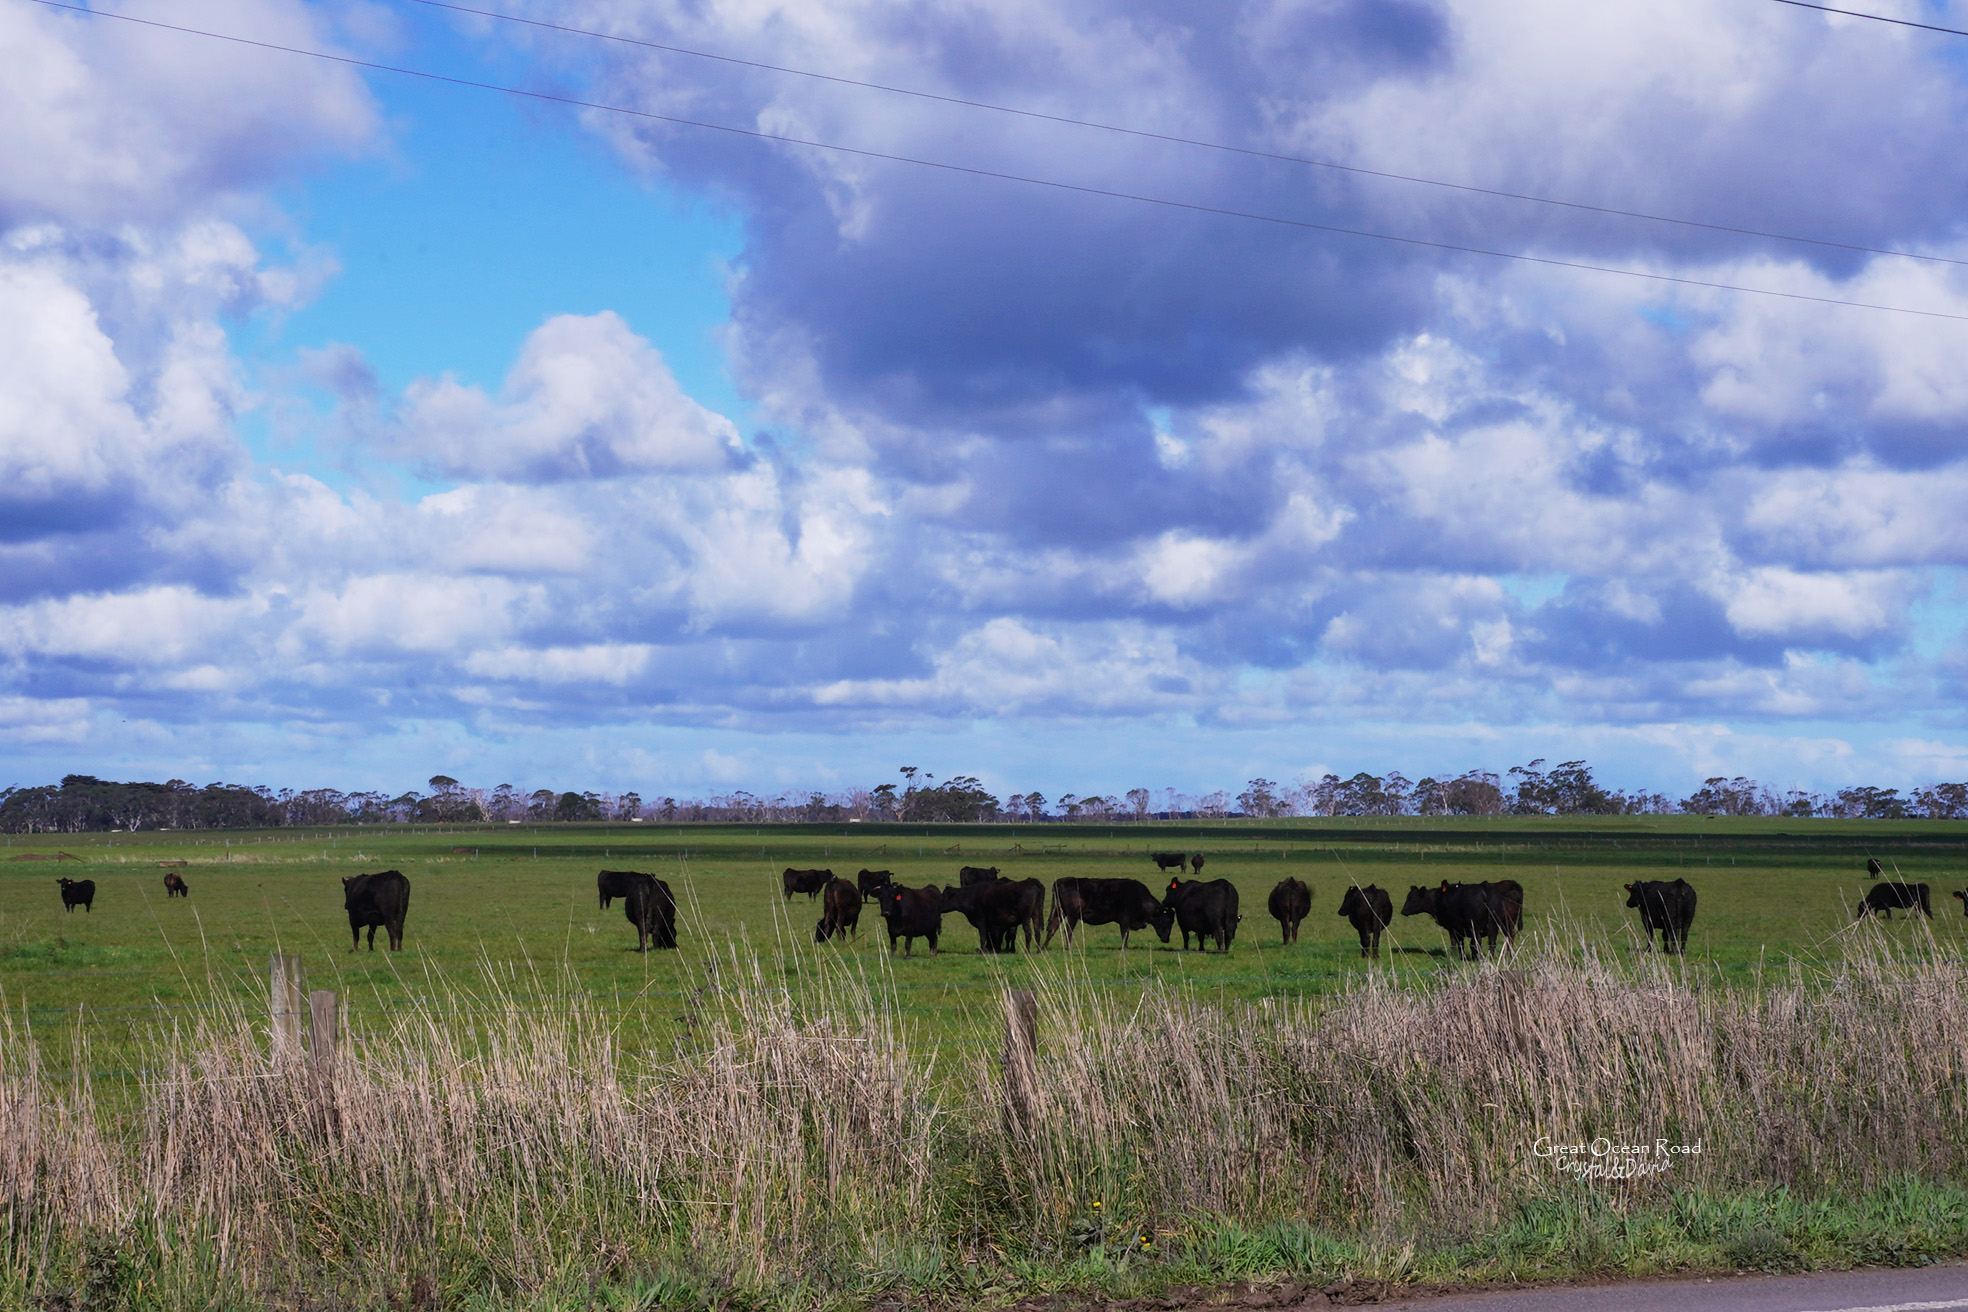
[[1000, 909]]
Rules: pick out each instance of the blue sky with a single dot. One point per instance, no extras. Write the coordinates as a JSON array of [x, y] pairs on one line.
[[356, 428]]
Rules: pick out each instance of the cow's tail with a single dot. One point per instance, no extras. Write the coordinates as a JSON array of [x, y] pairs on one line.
[[1925, 910], [1052, 921]]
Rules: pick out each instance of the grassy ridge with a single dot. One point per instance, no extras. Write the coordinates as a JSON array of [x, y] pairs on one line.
[[1772, 891]]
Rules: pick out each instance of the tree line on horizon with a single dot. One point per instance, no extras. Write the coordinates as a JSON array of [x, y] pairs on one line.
[[84, 803]]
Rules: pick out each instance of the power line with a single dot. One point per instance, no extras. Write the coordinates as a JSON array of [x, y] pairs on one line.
[[1849, 13], [974, 171], [1173, 139]]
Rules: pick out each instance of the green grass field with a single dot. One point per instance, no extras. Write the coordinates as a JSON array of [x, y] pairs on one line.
[[520, 901]]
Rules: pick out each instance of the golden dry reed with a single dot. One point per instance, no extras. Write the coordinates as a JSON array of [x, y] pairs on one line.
[[784, 1143]]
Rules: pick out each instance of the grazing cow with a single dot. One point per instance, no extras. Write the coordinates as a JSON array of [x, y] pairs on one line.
[[1872, 867], [1885, 897], [78, 893], [1469, 912], [1291, 902], [1371, 910], [840, 908], [998, 909], [1667, 907], [651, 908], [612, 884], [174, 886], [1205, 910], [976, 875], [911, 913], [809, 882], [1123, 902], [372, 900], [868, 882], [1167, 861]]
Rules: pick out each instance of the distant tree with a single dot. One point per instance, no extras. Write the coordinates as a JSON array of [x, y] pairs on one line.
[[1723, 796], [577, 806], [1866, 803], [628, 806], [1941, 801], [1138, 802], [540, 805], [1259, 798]]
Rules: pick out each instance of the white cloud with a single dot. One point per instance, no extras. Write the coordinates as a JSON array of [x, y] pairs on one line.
[[586, 399]]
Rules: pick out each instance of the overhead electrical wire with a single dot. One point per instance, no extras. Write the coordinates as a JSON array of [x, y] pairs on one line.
[[1877, 18], [1173, 139], [974, 171]]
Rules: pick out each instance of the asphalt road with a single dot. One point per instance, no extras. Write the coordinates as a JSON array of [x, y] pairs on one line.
[[1917, 1289]]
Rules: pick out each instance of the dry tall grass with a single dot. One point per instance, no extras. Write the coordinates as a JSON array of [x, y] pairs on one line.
[[495, 1148]]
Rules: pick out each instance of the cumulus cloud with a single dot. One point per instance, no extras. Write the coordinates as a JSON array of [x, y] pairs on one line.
[[1039, 458], [586, 399], [112, 123]]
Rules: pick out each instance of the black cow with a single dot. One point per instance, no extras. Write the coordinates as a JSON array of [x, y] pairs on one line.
[[1873, 868], [372, 900], [1963, 895], [611, 884], [1291, 902], [869, 881], [1196, 864], [1123, 902], [1209, 911], [1167, 861], [911, 913], [1469, 912], [77, 893], [1667, 907], [998, 909], [175, 886], [651, 908], [809, 882], [976, 875], [1371, 910], [840, 911], [1885, 897]]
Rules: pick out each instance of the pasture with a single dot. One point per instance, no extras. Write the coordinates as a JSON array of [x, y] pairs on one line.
[[517, 904], [528, 1113]]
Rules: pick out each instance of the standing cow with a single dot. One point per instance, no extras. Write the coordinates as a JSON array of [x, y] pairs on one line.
[[651, 908], [611, 884], [77, 893], [1667, 907], [1469, 912], [1167, 861], [1370, 910], [174, 886], [869, 882], [1205, 910], [1873, 867], [809, 882], [840, 911], [1123, 902], [381, 899], [969, 875], [1291, 902], [911, 913], [1885, 898]]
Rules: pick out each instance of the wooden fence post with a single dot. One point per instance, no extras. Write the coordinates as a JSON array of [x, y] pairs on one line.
[[287, 979], [1021, 1057], [324, 1028]]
